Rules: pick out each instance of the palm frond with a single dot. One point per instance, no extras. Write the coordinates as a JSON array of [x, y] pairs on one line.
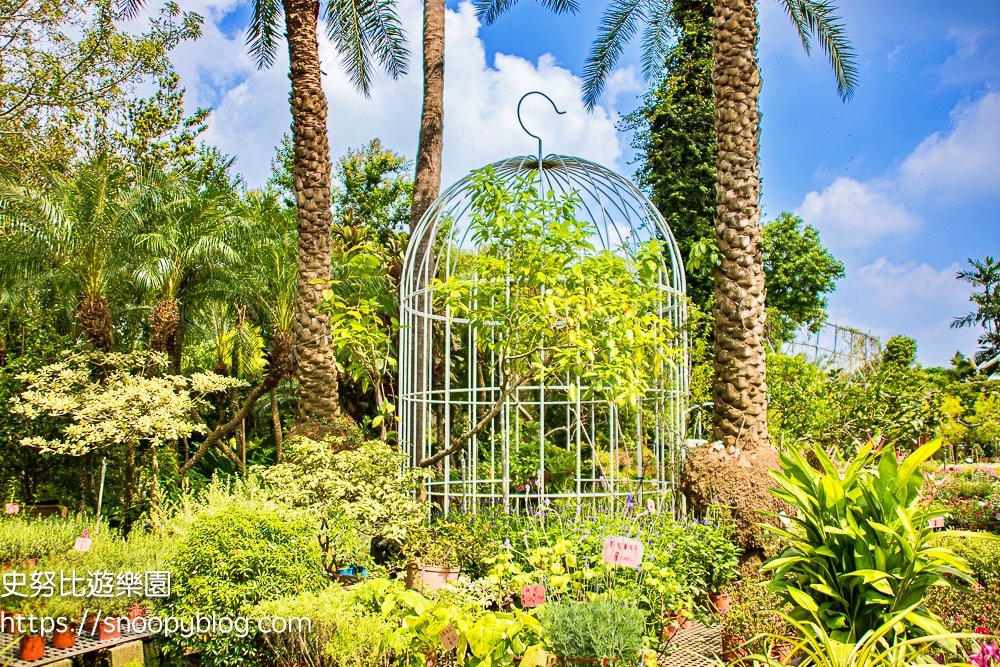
[[488, 11], [129, 9], [657, 39], [388, 39], [365, 31], [618, 26], [264, 32], [817, 18]]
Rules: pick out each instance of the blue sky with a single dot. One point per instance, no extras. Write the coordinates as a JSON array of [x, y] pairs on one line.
[[903, 182]]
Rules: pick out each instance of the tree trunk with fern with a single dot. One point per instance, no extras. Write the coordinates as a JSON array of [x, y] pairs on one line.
[[315, 369], [734, 468]]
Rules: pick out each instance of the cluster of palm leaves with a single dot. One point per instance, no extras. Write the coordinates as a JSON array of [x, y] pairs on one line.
[[186, 262]]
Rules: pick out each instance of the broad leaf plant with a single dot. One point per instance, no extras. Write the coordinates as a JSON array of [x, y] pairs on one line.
[[861, 548]]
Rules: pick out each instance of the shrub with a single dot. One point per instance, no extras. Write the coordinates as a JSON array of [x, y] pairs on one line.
[[603, 628], [965, 610], [369, 482], [233, 560], [345, 628], [23, 538], [982, 555]]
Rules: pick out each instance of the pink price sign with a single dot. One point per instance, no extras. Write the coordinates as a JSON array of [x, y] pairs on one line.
[[533, 595], [937, 522], [622, 551]]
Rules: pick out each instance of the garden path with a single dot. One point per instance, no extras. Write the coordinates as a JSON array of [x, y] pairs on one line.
[[694, 646]]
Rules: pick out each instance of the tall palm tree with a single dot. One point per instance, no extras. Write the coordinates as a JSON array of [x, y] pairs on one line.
[[363, 31], [734, 468]]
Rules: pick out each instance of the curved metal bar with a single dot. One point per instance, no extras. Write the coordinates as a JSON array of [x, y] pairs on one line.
[[530, 134]]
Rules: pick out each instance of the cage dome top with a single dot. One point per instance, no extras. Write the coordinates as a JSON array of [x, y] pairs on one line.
[[619, 214]]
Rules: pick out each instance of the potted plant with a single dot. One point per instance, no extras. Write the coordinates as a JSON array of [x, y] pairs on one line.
[[433, 560], [751, 617], [32, 644], [678, 616], [598, 632], [721, 559], [114, 613], [65, 611]]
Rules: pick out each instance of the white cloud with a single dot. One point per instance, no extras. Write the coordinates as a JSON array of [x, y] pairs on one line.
[[480, 100], [850, 214], [965, 161], [912, 299]]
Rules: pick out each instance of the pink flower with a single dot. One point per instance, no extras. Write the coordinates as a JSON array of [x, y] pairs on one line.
[[987, 656]]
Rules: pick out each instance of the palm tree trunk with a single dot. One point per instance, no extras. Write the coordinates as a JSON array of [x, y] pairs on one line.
[[427, 182], [737, 474], [739, 391], [94, 314], [276, 425], [315, 368]]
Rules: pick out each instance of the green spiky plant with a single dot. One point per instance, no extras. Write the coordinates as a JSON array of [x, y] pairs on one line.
[[881, 646], [861, 549]]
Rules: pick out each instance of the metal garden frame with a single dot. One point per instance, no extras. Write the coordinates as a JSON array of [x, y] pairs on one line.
[[604, 452]]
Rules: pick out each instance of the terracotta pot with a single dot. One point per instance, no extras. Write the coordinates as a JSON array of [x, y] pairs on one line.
[[32, 648], [732, 647], [782, 653], [430, 577], [137, 611], [64, 638], [674, 623], [718, 603], [110, 628]]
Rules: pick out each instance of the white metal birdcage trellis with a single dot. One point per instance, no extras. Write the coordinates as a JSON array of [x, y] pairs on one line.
[[545, 442]]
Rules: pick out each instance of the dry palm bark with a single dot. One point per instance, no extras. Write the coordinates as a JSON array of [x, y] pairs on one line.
[[427, 182], [734, 468], [163, 323], [95, 322], [315, 367]]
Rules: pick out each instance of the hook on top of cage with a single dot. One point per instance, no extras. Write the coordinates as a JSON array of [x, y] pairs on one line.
[[526, 130]]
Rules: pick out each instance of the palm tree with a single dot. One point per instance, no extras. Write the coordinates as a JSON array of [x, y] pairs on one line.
[[734, 468], [71, 237], [364, 32], [189, 253]]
